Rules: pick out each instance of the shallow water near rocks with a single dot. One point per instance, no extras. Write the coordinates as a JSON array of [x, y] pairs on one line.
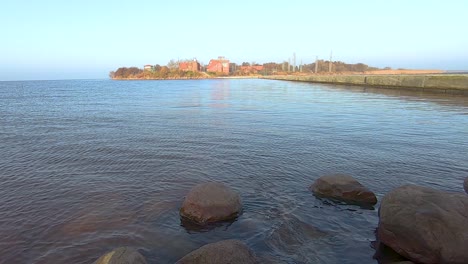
[[90, 165]]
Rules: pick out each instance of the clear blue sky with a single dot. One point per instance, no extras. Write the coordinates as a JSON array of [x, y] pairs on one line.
[[57, 39]]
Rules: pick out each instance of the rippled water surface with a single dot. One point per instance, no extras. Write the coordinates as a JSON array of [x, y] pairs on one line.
[[87, 166]]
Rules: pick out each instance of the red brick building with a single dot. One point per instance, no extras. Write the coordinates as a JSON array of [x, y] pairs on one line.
[[221, 65], [192, 66]]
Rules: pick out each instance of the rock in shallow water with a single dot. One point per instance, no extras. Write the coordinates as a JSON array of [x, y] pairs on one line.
[[344, 188], [211, 202], [425, 225], [296, 241], [122, 255], [226, 251], [293, 234]]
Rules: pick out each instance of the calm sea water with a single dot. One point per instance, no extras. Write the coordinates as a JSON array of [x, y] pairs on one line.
[[87, 166]]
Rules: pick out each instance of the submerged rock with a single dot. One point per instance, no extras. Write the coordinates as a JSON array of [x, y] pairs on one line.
[[296, 241], [465, 185], [293, 234], [344, 188], [425, 225], [226, 251], [211, 202], [121, 255]]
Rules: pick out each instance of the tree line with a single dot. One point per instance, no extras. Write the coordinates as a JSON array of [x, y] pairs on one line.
[[337, 66], [156, 72]]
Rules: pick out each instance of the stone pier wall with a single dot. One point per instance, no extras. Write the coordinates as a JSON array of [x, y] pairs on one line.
[[447, 83]]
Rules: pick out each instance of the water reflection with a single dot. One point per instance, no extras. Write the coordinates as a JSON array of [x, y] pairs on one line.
[[220, 92], [193, 227]]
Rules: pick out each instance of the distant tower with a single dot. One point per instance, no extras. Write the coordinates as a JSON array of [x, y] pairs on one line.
[[330, 62], [289, 64], [294, 61], [300, 67], [316, 64]]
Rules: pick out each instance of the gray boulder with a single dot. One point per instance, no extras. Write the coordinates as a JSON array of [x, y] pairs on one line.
[[223, 252], [121, 255], [211, 202], [425, 225], [465, 185], [344, 188]]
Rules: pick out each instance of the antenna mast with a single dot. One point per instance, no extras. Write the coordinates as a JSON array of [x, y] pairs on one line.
[[316, 64]]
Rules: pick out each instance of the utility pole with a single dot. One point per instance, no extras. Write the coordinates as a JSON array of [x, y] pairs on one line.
[[316, 64], [330, 62]]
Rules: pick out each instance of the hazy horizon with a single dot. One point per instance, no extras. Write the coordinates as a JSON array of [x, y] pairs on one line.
[[86, 40]]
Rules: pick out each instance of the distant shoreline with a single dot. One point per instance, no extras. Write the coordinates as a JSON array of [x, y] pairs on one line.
[[188, 78], [425, 80], [257, 76]]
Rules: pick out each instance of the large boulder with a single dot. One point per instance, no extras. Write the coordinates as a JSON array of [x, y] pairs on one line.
[[344, 188], [465, 185], [211, 202], [226, 251], [121, 255], [425, 225]]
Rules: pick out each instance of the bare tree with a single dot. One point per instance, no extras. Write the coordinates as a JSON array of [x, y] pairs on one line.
[[173, 65]]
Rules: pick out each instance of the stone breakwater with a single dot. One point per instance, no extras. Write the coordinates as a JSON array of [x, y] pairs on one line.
[[445, 83]]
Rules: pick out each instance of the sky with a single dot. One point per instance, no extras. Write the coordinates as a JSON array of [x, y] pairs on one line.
[[86, 39]]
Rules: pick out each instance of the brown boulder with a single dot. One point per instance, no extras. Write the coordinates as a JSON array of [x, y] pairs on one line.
[[121, 255], [425, 225], [211, 202], [344, 188], [226, 251], [465, 185]]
